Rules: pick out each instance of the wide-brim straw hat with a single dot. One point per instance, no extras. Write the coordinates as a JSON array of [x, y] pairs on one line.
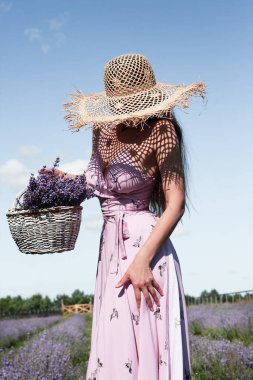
[[131, 96]]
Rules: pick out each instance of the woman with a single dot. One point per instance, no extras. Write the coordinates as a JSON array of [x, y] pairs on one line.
[[139, 328]]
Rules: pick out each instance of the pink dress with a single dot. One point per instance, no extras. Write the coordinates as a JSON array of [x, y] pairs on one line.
[[127, 344]]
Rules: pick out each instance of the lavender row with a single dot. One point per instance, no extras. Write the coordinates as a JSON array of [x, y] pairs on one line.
[[221, 358], [238, 315], [55, 353], [11, 330]]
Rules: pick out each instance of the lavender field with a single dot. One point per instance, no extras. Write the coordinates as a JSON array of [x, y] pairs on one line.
[[56, 352], [221, 343], [12, 330]]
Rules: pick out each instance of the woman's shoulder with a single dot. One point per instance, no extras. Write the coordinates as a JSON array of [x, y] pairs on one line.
[[159, 124], [162, 129]]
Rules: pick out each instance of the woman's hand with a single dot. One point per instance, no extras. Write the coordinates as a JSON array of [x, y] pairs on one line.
[[57, 172], [142, 279]]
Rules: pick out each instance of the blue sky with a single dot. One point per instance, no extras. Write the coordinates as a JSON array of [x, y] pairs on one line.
[[50, 49]]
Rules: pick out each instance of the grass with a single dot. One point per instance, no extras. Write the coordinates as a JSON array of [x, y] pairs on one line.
[[213, 369], [230, 333], [88, 326]]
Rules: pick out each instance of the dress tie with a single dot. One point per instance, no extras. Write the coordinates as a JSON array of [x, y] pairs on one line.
[[117, 211]]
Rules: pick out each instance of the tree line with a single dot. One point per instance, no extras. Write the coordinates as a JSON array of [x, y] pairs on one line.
[[40, 305], [215, 297], [44, 305]]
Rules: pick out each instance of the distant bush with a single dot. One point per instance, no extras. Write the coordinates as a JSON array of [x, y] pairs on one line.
[[37, 304]]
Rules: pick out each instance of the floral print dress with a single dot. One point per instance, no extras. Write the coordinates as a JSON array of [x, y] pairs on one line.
[[127, 344]]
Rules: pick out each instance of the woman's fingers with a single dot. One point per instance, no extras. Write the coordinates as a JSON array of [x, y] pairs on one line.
[[148, 290], [158, 287], [152, 291], [137, 293], [44, 171], [149, 287], [147, 297], [57, 172]]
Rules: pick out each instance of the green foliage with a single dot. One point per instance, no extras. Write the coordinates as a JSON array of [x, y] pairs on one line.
[[88, 328], [213, 369], [214, 297], [38, 304], [77, 354], [230, 333], [213, 293]]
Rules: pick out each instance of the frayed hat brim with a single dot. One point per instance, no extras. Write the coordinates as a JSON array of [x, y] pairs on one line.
[[101, 110]]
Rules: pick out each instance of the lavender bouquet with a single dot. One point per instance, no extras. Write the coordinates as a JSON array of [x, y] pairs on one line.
[[49, 190]]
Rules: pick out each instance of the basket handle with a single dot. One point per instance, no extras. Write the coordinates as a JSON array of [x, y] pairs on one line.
[[14, 205]]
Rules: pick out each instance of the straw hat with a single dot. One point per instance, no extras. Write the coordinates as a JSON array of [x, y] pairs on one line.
[[131, 96]]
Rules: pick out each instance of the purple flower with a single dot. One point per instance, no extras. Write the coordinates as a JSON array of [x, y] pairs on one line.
[[49, 191], [52, 354], [12, 330]]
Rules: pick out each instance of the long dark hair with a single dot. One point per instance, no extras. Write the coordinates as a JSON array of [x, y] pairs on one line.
[[157, 201]]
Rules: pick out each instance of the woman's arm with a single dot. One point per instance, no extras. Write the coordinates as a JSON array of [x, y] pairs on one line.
[[175, 206], [168, 157]]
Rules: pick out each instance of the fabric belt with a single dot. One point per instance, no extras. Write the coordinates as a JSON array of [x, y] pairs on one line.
[[117, 210]]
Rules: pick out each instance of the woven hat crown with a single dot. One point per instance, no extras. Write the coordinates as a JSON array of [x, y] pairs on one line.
[[131, 96], [128, 74]]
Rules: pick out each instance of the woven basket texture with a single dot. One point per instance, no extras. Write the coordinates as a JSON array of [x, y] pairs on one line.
[[48, 230]]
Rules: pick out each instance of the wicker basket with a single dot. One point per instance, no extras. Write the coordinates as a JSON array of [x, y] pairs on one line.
[[47, 230]]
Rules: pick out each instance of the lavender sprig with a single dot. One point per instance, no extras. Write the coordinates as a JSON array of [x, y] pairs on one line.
[[49, 191]]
